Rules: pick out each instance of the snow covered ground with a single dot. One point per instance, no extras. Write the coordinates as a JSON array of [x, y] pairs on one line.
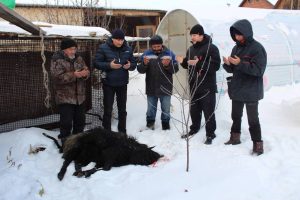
[[217, 172]]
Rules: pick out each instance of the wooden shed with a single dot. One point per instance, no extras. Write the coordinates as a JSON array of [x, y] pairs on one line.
[[134, 22]]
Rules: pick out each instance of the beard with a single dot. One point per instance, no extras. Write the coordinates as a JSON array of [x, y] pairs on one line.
[[157, 52], [71, 56]]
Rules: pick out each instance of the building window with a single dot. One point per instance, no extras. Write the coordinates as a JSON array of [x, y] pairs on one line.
[[145, 31]]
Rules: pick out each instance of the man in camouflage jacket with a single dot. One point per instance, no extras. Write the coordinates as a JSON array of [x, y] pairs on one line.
[[69, 74]]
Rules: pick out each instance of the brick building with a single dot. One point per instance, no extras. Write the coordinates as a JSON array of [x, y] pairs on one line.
[[256, 4], [288, 4]]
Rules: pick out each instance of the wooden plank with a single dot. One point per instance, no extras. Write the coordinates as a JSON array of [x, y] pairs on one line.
[[16, 19], [128, 13]]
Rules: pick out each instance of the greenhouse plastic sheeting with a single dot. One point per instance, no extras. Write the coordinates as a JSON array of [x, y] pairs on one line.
[[277, 30]]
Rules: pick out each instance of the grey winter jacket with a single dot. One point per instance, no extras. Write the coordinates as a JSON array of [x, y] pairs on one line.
[[247, 80], [68, 88], [159, 78]]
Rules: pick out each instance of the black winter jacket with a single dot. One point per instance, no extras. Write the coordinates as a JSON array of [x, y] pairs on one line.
[[105, 54], [247, 81], [205, 70], [159, 79]]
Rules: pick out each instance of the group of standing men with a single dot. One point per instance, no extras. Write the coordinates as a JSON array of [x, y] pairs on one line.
[[247, 64]]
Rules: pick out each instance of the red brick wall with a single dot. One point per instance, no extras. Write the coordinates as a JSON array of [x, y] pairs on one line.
[[257, 4], [287, 4]]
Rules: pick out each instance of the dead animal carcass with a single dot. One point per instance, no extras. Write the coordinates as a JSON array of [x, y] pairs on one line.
[[106, 148]]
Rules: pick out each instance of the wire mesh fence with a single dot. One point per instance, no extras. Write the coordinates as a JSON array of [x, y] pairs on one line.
[[22, 88]]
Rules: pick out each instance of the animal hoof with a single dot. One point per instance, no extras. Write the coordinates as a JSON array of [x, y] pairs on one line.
[[60, 176], [79, 174], [87, 175]]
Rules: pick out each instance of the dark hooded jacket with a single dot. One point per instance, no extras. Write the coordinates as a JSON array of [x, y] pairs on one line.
[[105, 54], [159, 78], [204, 73], [68, 88], [246, 84]]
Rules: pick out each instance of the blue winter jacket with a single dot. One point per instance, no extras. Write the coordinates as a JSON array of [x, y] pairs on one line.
[[105, 54], [159, 78]]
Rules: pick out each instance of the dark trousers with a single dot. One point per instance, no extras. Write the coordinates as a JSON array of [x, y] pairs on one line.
[[204, 103], [253, 120], [109, 93], [72, 118]]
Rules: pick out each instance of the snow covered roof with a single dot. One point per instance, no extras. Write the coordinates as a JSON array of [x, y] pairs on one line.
[[65, 30], [166, 5], [170, 5], [58, 30]]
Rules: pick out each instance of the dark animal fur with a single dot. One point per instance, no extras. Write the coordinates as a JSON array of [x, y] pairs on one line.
[[106, 148], [55, 141]]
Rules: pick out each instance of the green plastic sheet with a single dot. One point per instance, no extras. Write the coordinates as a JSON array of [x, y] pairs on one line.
[[9, 3]]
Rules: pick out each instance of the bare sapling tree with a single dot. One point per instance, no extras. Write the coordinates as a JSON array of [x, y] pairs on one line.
[[188, 97]]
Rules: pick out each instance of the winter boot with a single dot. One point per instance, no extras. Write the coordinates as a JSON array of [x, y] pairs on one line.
[[210, 138], [165, 125], [191, 132], [234, 139], [258, 148], [150, 124]]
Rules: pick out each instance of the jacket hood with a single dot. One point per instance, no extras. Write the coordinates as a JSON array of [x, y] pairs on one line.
[[243, 26]]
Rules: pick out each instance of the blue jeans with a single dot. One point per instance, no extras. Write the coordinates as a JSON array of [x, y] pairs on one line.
[[165, 102]]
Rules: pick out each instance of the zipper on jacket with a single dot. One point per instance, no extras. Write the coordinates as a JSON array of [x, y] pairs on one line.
[[76, 82], [76, 92]]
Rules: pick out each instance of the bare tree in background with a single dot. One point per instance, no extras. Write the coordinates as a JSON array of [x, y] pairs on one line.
[[77, 12]]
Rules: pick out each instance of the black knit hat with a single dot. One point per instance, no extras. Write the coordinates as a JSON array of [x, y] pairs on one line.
[[118, 34], [67, 43], [156, 39], [197, 29]]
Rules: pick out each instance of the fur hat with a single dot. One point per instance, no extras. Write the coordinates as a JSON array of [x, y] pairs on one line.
[[118, 34], [67, 43], [156, 39], [197, 29]]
